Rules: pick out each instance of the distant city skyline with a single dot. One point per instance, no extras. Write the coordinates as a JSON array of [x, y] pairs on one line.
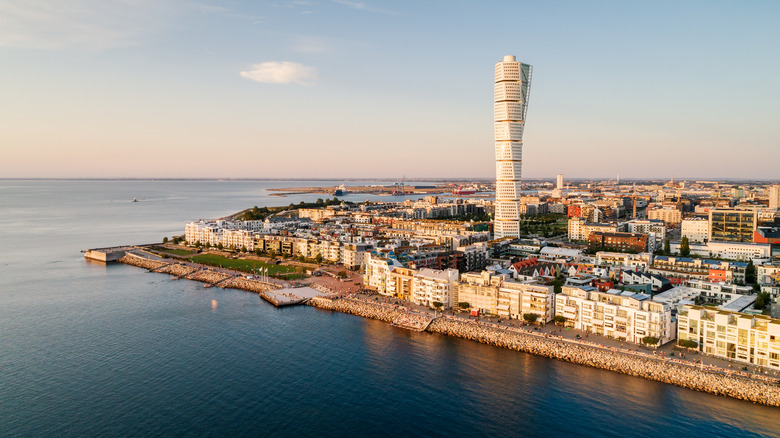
[[334, 89]]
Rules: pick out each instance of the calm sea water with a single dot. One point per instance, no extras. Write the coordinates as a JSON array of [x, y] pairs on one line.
[[94, 350]]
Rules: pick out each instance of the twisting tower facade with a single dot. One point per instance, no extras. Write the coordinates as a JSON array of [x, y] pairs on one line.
[[512, 87]]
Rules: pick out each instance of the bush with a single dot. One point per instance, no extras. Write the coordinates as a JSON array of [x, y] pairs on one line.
[[530, 317], [650, 340], [687, 343]]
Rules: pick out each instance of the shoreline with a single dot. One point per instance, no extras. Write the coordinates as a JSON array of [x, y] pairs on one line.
[[660, 370], [670, 371]]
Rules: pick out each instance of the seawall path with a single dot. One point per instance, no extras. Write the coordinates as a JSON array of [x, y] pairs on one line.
[[713, 381]]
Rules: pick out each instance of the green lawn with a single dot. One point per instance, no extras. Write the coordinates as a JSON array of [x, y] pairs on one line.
[[246, 265], [178, 252]]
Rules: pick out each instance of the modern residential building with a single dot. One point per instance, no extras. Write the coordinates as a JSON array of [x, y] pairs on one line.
[[732, 225], [727, 250], [618, 241], [627, 316], [670, 215], [559, 182], [499, 295], [511, 90], [696, 229], [655, 229], [753, 339], [431, 286]]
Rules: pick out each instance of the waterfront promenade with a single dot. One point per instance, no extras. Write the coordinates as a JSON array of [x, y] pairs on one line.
[[715, 380], [344, 296]]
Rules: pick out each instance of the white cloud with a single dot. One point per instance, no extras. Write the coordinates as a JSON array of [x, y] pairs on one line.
[[284, 72]]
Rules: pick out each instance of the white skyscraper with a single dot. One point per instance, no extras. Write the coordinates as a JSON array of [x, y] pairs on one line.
[[512, 86], [559, 184]]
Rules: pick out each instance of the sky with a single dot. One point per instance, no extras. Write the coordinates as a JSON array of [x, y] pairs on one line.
[[385, 89]]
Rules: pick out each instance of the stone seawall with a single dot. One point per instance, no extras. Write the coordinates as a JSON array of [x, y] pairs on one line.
[[664, 371], [134, 260], [365, 309]]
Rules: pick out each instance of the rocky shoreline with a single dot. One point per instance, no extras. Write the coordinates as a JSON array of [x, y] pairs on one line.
[[661, 370]]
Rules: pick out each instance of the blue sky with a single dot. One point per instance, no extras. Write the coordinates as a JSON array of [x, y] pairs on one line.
[[106, 88]]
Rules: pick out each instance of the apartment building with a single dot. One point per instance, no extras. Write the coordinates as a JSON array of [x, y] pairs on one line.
[[499, 295], [627, 316], [751, 339], [432, 286], [696, 229], [670, 215]]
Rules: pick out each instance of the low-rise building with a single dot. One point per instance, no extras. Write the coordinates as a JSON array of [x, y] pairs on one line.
[[627, 316], [618, 241], [753, 339], [499, 295]]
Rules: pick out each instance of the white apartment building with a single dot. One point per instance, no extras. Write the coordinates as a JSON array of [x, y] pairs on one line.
[[753, 339], [203, 232], [499, 295], [579, 230], [626, 316], [430, 286], [238, 239], [668, 215], [353, 254], [639, 262], [697, 230], [727, 250], [512, 84], [378, 271], [656, 229]]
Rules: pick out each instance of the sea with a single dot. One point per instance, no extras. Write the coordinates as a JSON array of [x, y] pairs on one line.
[[88, 349]]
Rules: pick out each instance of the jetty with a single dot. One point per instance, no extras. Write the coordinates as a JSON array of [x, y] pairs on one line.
[[274, 293]]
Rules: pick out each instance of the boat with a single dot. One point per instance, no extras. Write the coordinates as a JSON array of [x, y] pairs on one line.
[[135, 199], [463, 192]]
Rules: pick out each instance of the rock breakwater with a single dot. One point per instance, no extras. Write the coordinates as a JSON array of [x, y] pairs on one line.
[[713, 381]]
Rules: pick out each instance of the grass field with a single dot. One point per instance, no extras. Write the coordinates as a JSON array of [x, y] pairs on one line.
[[247, 265], [178, 252]]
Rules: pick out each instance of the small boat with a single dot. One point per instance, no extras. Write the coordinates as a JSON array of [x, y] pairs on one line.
[[135, 199]]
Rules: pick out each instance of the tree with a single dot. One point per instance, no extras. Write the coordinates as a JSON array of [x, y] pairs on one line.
[[650, 340], [208, 245], [559, 319], [318, 259], [685, 248], [762, 300], [341, 274], [750, 273], [220, 246], [557, 285], [464, 305], [243, 249], [667, 248], [165, 239], [197, 243], [687, 343], [530, 317], [437, 305]]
